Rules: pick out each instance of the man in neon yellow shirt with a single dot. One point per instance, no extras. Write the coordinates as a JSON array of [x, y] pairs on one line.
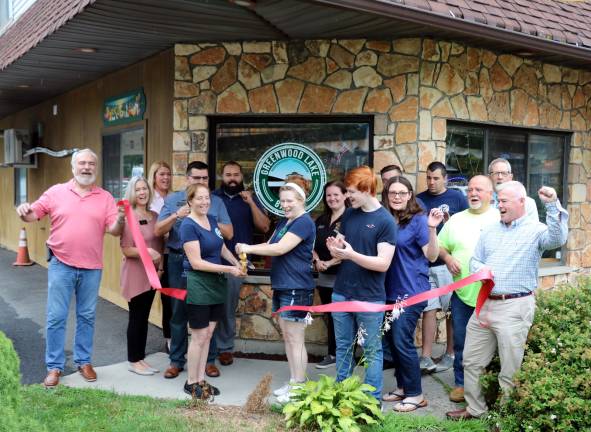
[[457, 240]]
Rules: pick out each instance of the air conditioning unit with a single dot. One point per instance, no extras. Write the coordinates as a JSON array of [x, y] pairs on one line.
[[16, 143]]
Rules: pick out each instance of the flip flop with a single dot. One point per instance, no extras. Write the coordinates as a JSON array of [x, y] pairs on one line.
[[399, 407], [392, 397]]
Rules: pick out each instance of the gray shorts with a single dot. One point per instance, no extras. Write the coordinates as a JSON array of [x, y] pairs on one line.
[[438, 277]]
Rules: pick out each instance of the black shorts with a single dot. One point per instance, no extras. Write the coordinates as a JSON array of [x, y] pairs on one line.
[[201, 315]]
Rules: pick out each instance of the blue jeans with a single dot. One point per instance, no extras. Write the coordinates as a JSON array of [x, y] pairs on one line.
[[179, 318], [346, 325], [404, 355], [62, 281], [460, 315]]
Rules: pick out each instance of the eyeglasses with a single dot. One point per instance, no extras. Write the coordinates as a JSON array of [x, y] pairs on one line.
[[500, 173], [199, 177], [398, 194]]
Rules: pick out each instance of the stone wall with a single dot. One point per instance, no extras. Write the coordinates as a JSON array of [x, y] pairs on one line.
[[411, 86]]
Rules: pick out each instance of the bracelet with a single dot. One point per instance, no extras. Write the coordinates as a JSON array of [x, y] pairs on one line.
[[434, 227]]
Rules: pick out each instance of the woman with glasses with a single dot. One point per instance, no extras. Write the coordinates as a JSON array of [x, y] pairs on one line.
[[135, 286], [408, 275]]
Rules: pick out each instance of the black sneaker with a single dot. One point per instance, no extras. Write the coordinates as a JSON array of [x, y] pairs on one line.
[[208, 388], [326, 362], [194, 390]]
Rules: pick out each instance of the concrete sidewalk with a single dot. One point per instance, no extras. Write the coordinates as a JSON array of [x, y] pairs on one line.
[[238, 380], [23, 293]]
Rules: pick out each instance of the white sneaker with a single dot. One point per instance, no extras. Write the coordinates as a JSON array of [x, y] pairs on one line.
[[284, 389], [284, 398]]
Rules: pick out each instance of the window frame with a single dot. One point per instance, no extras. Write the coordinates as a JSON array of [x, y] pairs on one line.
[[528, 132], [262, 119], [119, 129]]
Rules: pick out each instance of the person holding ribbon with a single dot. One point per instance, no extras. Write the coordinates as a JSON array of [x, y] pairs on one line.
[[135, 286], [291, 247], [328, 224], [204, 248], [365, 248], [159, 177], [407, 276]]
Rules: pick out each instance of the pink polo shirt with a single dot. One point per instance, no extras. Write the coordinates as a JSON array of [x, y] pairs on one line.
[[78, 223]]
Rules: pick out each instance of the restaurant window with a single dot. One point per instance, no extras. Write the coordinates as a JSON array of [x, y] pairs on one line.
[[123, 158], [342, 143], [537, 158], [20, 186]]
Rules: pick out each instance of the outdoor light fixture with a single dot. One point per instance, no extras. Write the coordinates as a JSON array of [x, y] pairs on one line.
[[87, 50]]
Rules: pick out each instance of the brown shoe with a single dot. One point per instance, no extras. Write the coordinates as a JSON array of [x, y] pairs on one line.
[[226, 358], [462, 414], [212, 370], [87, 372], [457, 395], [172, 372], [53, 378]]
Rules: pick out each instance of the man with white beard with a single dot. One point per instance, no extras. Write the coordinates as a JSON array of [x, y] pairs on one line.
[[80, 214], [457, 240]]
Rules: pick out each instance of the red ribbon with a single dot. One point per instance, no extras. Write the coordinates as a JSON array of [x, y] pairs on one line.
[[140, 243], [483, 275]]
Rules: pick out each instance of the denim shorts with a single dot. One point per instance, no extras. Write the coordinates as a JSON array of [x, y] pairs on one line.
[[296, 297]]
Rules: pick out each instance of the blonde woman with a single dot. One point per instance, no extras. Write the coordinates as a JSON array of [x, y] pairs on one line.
[[160, 177], [135, 286], [291, 247]]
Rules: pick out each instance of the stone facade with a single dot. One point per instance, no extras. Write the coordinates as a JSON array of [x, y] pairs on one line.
[[410, 86]]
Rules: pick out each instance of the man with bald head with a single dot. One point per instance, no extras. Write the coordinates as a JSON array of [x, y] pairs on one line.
[[512, 250], [457, 240]]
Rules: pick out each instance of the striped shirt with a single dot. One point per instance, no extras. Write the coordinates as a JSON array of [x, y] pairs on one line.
[[513, 251]]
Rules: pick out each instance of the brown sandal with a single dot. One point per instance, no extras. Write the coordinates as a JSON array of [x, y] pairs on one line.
[[392, 397]]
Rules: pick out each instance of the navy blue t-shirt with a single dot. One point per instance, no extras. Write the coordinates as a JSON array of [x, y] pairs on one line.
[[294, 269], [363, 231], [241, 216], [456, 201], [210, 241], [409, 272]]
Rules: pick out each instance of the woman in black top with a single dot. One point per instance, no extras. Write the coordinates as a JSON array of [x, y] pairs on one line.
[[328, 225]]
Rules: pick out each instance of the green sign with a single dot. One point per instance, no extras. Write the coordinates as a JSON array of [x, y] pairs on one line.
[[126, 108], [282, 161]]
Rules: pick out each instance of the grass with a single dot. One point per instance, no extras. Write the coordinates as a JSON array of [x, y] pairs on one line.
[[68, 409], [415, 423]]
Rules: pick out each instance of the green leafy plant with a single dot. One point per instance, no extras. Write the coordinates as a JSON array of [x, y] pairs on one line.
[[333, 406]]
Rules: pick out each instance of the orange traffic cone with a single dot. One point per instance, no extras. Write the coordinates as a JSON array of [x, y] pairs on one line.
[[22, 256]]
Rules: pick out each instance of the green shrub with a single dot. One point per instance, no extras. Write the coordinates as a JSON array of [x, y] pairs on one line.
[[333, 406], [10, 395], [553, 387]]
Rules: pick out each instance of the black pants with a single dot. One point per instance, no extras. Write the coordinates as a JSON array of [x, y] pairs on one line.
[[326, 298], [166, 305], [137, 328]]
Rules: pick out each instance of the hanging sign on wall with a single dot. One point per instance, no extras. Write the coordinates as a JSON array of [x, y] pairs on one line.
[[284, 161], [125, 108]]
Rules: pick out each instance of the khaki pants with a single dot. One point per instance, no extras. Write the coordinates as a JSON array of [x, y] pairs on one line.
[[505, 325]]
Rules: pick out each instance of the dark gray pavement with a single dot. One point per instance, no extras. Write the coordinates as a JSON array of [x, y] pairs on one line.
[[23, 296]]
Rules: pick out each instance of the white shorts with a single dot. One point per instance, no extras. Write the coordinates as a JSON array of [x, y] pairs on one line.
[[438, 277]]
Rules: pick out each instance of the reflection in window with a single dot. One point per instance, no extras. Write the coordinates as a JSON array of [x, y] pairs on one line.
[[123, 158], [536, 159], [20, 186], [342, 143]]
